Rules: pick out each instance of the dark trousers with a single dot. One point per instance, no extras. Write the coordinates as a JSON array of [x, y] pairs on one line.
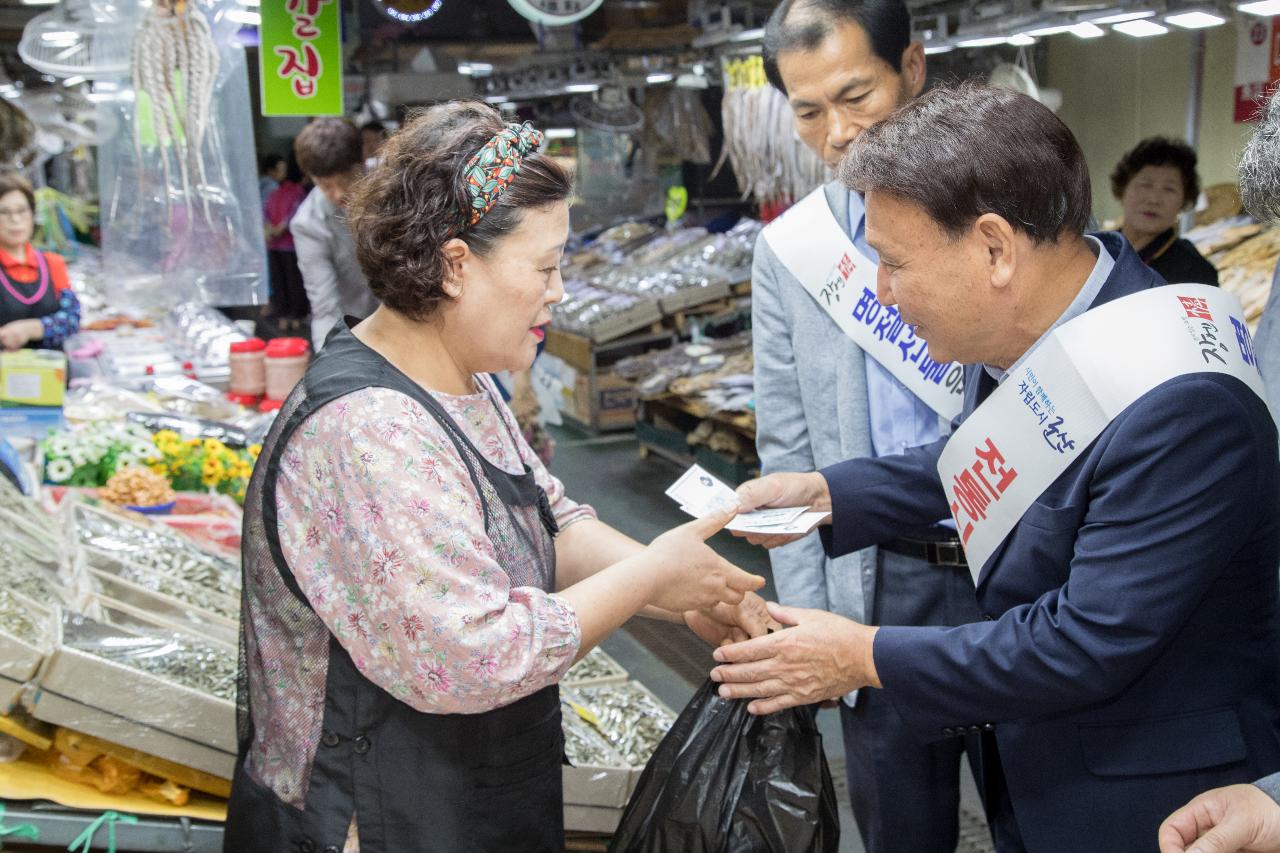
[[905, 792], [288, 296]]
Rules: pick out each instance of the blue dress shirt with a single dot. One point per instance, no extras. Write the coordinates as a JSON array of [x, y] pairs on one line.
[[899, 419]]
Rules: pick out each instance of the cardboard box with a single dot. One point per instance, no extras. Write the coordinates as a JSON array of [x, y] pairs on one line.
[[124, 705], [613, 406], [32, 378], [126, 731]]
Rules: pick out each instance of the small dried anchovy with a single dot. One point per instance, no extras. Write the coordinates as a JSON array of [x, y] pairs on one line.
[[157, 551], [197, 596], [630, 719], [583, 745], [17, 621], [595, 666], [35, 580], [184, 660]]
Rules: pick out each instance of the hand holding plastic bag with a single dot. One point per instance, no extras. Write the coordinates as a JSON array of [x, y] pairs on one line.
[[724, 781]]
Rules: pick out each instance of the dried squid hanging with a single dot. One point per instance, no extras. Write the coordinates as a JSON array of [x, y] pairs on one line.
[[175, 64]]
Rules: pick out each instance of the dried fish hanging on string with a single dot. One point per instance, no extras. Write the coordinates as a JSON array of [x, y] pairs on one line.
[[175, 64], [769, 161]]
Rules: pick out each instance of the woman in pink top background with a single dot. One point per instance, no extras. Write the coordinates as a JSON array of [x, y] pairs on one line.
[[288, 297]]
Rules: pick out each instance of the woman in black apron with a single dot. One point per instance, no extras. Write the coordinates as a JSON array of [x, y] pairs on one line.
[[410, 599], [37, 306], [1155, 183]]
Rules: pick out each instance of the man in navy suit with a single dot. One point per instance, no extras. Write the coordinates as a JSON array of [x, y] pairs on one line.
[[1128, 655]]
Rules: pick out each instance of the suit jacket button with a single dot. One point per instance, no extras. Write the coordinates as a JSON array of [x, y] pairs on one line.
[[987, 617], [989, 727], [307, 846], [332, 849], [948, 731], [362, 745], [328, 738]]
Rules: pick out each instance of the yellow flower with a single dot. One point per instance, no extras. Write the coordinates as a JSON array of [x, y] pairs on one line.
[[159, 468], [212, 445], [209, 481], [193, 442], [254, 450]]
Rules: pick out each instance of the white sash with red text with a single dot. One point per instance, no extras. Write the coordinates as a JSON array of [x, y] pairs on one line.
[[810, 243], [1050, 409]]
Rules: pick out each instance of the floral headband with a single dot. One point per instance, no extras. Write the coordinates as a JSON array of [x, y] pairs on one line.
[[495, 166]]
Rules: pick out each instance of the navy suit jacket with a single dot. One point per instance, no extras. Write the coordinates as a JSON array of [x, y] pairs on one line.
[[1131, 654]]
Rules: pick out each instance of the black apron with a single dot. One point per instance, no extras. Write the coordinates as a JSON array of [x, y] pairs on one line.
[[414, 781], [29, 301]]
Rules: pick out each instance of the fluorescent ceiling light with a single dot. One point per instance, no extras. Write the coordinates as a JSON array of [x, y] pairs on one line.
[[1261, 7], [986, 41], [1090, 31], [244, 16], [561, 133], [1123, 17], [1195, 20], [1021, 40], [931, 49], [497, 99], [38, 2], [1048, 31], [1140, 29], [506, 105], [582, 88], [749, 35], [659, 77], [478, 69]]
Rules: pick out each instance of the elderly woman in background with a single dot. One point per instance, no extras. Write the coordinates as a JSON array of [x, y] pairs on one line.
[[37, 305], [1155, 183], [416, 582]]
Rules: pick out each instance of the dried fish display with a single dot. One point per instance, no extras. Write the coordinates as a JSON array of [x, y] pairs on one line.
[[583, 744], [32, 552], [1247, 269], [190, 594], [175, 64], [18, 621], [175, 657], [629, 717], [157, 549], [760, 142], [595, 668]]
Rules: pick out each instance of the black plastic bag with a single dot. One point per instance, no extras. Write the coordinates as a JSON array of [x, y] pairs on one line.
[[724, 781]]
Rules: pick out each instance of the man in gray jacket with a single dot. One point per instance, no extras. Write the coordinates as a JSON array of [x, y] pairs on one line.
[[1245, 818], [329, 151], [845, 65]]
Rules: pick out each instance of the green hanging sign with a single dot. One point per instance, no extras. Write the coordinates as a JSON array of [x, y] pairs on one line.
[[300, 58]]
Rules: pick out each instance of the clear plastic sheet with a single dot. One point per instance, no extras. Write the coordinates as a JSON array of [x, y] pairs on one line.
[[151, 546], [201, 665], [184, 223]]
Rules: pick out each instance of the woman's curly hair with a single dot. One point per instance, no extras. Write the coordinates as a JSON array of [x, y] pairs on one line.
[[415, 200], [1159, 151]]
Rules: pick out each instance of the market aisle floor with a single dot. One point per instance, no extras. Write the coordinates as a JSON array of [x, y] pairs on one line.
[[627, 491]]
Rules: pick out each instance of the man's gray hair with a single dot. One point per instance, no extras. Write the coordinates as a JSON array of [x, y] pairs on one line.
[[963, 151], [1260, 166]]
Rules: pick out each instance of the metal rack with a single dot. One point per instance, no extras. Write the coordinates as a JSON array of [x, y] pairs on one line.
[[59, 826]]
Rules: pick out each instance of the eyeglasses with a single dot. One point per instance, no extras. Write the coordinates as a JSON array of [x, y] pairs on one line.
[[16, 213]]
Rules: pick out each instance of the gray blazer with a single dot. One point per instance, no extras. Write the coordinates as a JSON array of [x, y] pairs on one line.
[[331, 274], [811, 411], [1270, 784], [1266, 345]]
